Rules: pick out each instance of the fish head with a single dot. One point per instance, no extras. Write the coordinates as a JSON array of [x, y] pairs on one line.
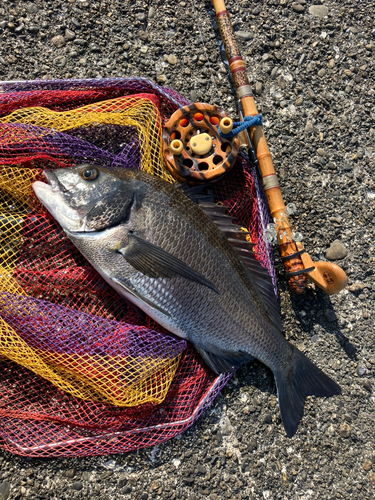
[[86, 198]]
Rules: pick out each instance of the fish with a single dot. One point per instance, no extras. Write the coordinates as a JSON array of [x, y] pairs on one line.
[[176, 255]]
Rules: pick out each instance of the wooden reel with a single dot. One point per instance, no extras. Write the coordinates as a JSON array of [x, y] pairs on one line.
[[193, 149]]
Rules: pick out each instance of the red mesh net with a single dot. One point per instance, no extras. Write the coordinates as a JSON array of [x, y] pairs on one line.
[[80, 374]]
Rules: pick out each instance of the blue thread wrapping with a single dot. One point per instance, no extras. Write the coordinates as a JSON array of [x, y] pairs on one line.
[[238, 127]]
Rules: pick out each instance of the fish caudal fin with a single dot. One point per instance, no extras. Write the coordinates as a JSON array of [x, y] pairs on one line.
[[297, 381]]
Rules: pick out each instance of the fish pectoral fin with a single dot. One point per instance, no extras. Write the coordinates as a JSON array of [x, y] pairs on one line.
[[154, 262], [225, 362], [127, 286]]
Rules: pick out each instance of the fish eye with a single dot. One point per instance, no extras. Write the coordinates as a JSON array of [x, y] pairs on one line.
[[89, 174]]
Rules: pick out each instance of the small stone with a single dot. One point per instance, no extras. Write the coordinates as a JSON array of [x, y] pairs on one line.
[[59, 61], [141, 17], [315, 338], [126, 490], [297, 7], [144, 49], [144, 496], [361, 369], [367, 465], [69, 34], [70, 473], [3, 24], [330, 315], [227, 428], [77, 486], [19, 28], [281, 81], [257, 10], [356, 287], [336, 251], [318, 11], [76, 23], [201, 469], [347, 72], [298, 101], [331, 63], [309, 129], [172, 59], [367, 385], [193, 96], [4, 490], [244, 35], [58, 41], [161, 79], [321, 152], [321, 72], [371, 477], [258, 88], [267, 419], [345, 431], [151, 13], [32, 8], [93, 47]]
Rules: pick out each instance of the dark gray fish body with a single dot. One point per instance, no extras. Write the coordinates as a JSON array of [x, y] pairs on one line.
[[160, 250]]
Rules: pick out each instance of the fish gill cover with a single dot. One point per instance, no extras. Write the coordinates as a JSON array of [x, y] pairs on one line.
[[80, 374]]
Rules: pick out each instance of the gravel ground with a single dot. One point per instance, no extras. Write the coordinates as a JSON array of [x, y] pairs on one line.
[[312, 69]]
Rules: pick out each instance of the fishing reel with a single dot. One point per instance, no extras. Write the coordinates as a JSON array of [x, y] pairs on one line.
[[193, 148]]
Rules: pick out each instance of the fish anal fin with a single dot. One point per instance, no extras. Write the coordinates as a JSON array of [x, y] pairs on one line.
[[224, 362]]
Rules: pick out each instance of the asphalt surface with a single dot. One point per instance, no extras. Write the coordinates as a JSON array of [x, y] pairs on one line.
[[312, 70]]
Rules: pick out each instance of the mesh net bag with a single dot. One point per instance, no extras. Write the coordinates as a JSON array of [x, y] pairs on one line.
[[80, 373]]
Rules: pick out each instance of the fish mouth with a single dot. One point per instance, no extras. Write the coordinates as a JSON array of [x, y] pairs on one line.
[[53, 181]]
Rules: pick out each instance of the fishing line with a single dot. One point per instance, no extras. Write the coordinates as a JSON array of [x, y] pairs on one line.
[[204, 48]]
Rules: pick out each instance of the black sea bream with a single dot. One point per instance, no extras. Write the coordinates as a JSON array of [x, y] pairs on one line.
[[166, 254]]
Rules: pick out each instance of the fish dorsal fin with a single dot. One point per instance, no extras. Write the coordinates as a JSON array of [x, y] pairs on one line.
[[257, 274]]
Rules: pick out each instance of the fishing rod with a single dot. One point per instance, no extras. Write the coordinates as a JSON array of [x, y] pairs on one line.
[[297, 262]]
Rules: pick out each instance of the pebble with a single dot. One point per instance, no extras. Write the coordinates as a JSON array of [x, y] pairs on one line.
[[172, 59], [161, 79], [94, 47], [356, 287], [298, 101], [151, 12], [227, 428], [309, 129], [70, 473], [77, 486], [321, 72], [371, 477], [141, 17], [367, 385], [321, 152], [367, 464], [297, 7], [258, 88], [281, 81], [361, 369], [59, 61], [318, 11], [58, 41], [244, 35], [330, 315], [4, 490], [69, 34], [336, 251], [345, 431]]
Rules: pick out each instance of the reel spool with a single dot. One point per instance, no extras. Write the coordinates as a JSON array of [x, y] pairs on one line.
[[193, 149]]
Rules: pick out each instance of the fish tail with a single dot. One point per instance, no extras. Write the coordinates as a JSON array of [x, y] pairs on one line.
[[296, 381]]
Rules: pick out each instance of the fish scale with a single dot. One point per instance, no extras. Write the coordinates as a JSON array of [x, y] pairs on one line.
[[169, 256]]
